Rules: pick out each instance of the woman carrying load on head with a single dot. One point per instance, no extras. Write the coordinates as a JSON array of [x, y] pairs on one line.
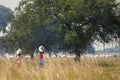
[[19, 57], [41, 52], [41, 56]]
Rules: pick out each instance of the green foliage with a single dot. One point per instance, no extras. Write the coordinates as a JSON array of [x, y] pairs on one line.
[[90, 19], [70, 37], [33, 26], [57, 22]]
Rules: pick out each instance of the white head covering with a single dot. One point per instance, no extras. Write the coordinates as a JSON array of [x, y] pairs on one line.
[[41, 48], [19, 51]]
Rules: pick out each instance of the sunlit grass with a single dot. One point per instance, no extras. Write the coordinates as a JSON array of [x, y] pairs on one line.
[[62, 69]]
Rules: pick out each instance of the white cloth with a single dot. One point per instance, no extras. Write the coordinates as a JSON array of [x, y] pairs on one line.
[[19, 51], [41, 48]]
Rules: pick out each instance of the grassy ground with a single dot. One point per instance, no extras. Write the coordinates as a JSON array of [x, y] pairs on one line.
[[62, 69]]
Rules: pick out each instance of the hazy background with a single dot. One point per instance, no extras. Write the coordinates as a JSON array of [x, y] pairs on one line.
[[9, 3]]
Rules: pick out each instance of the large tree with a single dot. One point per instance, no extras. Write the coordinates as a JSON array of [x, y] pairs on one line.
[[87, 20]]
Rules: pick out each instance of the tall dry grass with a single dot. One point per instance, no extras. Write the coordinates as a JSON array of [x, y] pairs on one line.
[[62, 69]]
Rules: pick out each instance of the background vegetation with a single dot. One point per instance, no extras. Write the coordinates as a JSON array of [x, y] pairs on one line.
[[62, 25]]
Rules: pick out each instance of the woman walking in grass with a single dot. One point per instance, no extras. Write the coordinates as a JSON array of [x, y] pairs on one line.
[[41, 52], [19, 57], [41, 56]]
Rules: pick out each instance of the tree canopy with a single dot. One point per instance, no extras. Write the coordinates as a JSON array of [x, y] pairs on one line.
[[64, 24]]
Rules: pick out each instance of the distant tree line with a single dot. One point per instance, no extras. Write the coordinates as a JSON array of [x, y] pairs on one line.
[[6, 16]]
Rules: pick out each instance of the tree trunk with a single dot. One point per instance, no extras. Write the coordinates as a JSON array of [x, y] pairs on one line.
[[31, 55], [49, 53], [77, 54], [55, 54]]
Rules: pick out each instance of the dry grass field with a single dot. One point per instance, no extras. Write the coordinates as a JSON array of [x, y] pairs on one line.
[[62, 69]]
